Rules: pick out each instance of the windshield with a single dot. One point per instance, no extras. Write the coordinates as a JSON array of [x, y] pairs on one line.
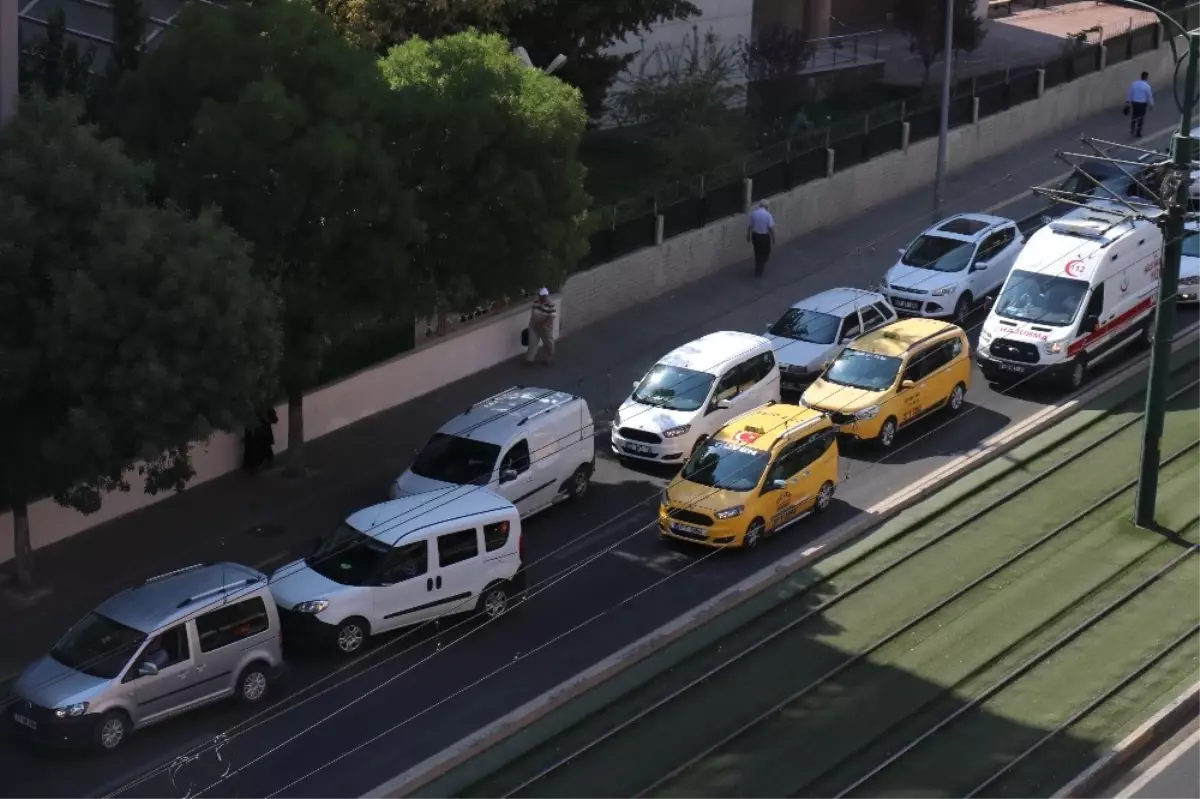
[[805, 325], [674, 388], [864, 370], [1191, 246], [348, 556], [98, 646], [719, 464], [453, 459], [1044, 299], [938, 253]]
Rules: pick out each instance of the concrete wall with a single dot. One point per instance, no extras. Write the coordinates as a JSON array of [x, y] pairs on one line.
[[326, 409], [593, 295], [600, 292]]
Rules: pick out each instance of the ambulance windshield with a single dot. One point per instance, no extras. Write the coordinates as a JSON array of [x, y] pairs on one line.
[[1041, 299]]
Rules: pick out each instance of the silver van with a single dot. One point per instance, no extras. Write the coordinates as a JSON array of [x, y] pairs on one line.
[[173, 643]]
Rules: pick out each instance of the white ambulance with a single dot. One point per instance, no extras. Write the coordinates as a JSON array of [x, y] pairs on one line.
[[1083, 288]]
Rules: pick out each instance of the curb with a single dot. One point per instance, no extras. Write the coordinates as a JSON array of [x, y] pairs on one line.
[[440, 764], [1159, 729]]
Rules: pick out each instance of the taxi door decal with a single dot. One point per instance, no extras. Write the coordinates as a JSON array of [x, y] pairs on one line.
[[911, 404], [785, 508]]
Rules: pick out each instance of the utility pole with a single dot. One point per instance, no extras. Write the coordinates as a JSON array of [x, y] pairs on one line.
[[944, 126], [1168, 286], [9, 20]]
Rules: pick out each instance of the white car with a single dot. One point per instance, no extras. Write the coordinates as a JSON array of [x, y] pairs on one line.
[[950, 268], [1189, 265], [813, 331], [691, 392]]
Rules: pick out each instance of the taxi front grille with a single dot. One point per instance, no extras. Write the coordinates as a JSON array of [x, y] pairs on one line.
[[633, 434], [1019, 351], [841, 418], [690, 517]]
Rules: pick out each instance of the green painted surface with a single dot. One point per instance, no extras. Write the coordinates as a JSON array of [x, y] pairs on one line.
[[851, 699]]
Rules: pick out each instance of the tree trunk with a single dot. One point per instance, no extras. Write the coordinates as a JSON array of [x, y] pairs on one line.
[[22, 547], [295, 466]]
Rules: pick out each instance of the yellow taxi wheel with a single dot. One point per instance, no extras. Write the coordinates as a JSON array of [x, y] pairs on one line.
[[957, 397], [824, 496], [754, 534], [887, 433]]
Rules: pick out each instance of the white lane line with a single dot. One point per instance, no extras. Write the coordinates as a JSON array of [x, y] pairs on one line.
[[1161, 766], [278, 557]]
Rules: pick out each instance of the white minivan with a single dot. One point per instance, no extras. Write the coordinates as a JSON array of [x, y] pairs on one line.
[[533, 446], [949, 269], [693, 391], [1083, 288], [401, 563]]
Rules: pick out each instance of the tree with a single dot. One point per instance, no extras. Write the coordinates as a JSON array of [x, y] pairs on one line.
[[131, 331], [495, 167], [682, 99], [580, 30], [262, 110], [54, 64], [924, 22]]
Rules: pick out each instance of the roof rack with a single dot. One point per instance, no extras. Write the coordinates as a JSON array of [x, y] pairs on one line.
[[158, 577]]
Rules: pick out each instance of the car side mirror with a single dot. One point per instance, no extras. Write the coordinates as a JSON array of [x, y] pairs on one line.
[[900, 251], [147, 669], [850, 334], [905, 385], [508, 475], [780, 484], [1089, 324], [988, 302], [980, 266], [724, 404]]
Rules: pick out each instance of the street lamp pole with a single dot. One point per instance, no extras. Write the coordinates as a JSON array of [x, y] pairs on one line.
[[944, 125], [1168, 285], [9, 20]]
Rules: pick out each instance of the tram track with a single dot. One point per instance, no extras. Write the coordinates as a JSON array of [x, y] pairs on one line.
[[749, 652]]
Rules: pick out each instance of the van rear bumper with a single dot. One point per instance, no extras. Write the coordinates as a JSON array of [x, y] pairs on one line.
[[1001, 371]]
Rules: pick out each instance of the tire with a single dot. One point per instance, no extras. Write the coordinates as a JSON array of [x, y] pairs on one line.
[[958, 396], [1077, 375], [754, 534], [887, 433], [111, 731], [350, 636], [578, 484], [495, 601], [963, 309], [824, 497], [1146, 339], [253, 684]]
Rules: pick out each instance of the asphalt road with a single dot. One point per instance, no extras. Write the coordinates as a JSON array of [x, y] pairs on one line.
[[606, 579], [1170, 772]]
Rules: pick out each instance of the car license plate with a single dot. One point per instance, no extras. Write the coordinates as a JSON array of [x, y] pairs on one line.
[[639, 449], [24, 721], [907, 305], [1008, 367], [688, 528]]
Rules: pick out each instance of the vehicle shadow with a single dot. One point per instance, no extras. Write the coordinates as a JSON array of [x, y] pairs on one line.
[[939, 434]]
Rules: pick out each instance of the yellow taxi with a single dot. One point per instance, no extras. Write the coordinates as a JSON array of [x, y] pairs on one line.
[[753, 477], [892, 377]]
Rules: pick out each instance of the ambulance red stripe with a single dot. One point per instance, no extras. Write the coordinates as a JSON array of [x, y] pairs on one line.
[[1124, 320]]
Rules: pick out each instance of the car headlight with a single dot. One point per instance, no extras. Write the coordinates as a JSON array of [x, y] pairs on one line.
[[867, 413], [312, 606], [985, 338], [1052, 347], [730, 513], [676, 432], [70, 711], [943, 291]]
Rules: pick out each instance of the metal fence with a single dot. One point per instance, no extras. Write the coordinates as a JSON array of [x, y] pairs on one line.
[[629, 226]]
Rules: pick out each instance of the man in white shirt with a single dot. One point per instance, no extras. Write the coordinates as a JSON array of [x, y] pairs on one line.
[[1140, 100], [541, 328], [761, 234]]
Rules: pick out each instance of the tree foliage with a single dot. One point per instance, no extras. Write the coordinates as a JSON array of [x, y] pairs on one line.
[[924, 22], [130, 330], [54, 65], [265, 112], [683, 100], [495, 167], [579, 30]]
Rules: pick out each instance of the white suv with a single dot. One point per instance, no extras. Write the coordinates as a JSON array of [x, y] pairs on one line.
[[951, 267]]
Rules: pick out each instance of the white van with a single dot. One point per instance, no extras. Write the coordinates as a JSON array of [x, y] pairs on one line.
[[1082, 289], [692, 392], [401, 563], [533, 446]]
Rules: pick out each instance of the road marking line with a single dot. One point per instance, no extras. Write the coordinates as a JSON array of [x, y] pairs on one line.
[[267, 561], [991, 209], [1162, 765]]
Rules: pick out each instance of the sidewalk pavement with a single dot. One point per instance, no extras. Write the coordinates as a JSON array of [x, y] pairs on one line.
[[267, 520]]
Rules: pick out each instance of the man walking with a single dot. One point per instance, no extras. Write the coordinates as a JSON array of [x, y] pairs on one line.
[[541, 328], [1139, 101], [761, 234]]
